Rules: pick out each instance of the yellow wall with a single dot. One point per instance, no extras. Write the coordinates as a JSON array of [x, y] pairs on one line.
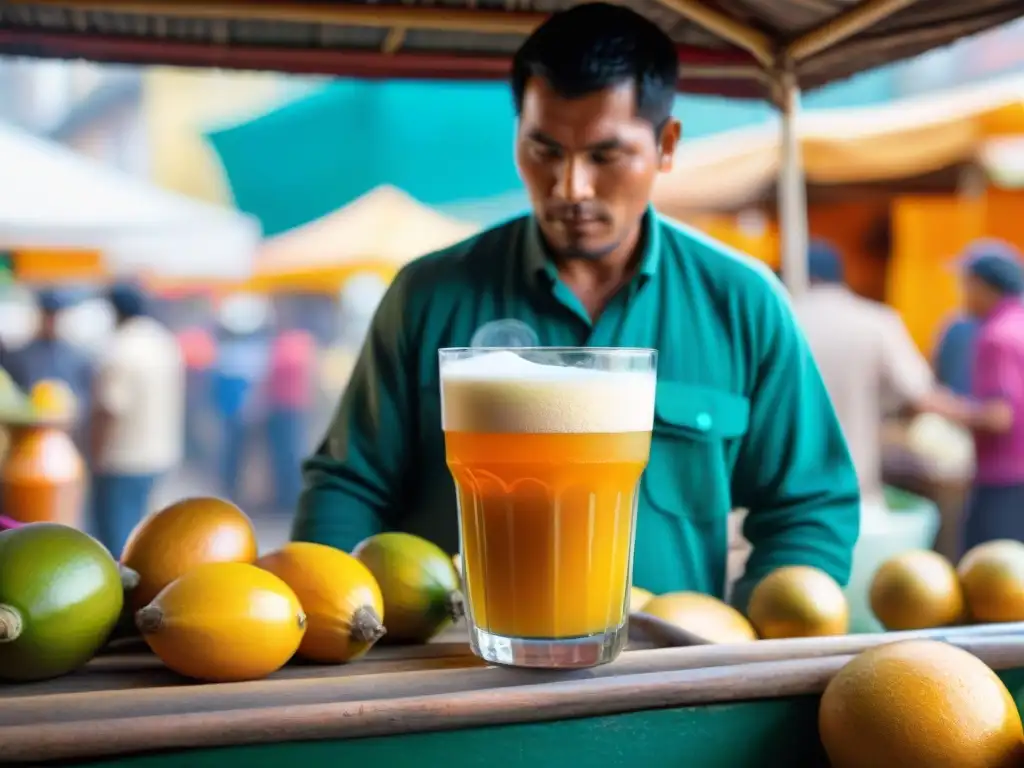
[[180, 104], [846, 225], [929, 234]]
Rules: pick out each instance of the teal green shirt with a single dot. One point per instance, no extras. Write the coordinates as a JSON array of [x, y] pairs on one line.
[[742, 418]]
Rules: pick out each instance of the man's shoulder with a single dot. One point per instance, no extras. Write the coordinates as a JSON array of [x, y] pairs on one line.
[[1005, 331], [730, 277], [142, 338]]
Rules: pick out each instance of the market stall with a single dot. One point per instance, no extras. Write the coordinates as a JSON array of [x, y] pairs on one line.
[[900, 188], [758, 49], [752, 706], [417, 706], [64, 217]]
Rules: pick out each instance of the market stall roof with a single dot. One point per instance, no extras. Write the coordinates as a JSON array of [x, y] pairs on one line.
[[726, 45], [379, 232], [916, 141], [55, 200]]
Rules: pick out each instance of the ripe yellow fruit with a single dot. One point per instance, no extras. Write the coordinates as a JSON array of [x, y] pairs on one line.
[[992, 576], [342, 601], [916, 590], [224, 622], [919, 704], [702, 615], [183, 535], [798, 601]]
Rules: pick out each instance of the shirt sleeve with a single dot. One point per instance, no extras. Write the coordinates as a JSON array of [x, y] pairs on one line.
[[353, 482], [905, 371], [794, 473]]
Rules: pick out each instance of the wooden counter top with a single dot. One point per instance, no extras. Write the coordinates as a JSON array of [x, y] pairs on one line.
[[126, 702]]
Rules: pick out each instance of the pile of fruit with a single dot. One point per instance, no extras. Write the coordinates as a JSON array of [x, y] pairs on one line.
[[919, 589], [191, 583], [911, 703], [796, 601], [922, 589]]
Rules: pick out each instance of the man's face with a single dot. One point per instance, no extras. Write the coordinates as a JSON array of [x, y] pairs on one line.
[[589, 165], [978, 297], [48, 324]]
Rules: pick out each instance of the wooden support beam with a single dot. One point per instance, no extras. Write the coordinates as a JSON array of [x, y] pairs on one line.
[[369, 64]]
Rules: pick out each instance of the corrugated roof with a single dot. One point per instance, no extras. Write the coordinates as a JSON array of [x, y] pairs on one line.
[[473, 39]]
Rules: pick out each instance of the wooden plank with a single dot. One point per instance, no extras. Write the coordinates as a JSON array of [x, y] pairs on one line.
[[397, 678], [569, 698]]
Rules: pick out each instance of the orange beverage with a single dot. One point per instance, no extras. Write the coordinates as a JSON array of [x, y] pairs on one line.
[[547, 459]]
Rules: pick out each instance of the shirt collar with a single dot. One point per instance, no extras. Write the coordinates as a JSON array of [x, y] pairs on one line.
[[538, 265], [1007, 305]]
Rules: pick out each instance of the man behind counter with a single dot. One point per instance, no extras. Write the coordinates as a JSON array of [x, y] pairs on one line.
[[742, 417]]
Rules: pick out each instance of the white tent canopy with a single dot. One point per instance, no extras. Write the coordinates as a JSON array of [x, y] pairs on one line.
[[52, 197]]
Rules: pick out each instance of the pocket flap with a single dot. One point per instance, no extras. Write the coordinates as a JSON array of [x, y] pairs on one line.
[[697, 410]]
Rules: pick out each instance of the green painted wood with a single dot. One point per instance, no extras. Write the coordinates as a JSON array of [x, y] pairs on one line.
[[769, 733]]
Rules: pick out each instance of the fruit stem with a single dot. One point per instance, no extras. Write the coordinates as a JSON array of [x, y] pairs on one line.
[[366, 626], [456, 605], [149, 619], [129, 578], [10, 624]]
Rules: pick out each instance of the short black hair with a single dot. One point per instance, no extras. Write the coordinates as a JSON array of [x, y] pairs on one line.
[[594, 46]]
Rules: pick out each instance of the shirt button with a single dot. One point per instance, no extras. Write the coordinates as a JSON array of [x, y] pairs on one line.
[[703, 422]]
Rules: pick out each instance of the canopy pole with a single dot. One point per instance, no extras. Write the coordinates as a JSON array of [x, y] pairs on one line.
[[859, 17], [792, 194]]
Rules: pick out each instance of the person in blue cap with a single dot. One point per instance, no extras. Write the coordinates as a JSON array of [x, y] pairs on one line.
[[867, 360], [138, 419], [48, 356], [993, 284]]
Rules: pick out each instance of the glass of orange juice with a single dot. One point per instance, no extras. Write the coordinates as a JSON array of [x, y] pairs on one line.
[[547, 446]]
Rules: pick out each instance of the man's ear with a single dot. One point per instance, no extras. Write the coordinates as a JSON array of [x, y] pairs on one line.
[[671, 134]]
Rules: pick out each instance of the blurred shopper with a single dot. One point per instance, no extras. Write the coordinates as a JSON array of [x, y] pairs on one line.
[[199, 352], [866, 358], [290, 395], [138, 416], [954, 355], [993, 279], [238, 384], [49, 357]]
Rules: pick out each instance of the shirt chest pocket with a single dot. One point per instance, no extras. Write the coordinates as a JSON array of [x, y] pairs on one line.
[[695, 428]]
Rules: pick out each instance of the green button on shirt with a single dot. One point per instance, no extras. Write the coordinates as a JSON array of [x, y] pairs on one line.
[[741, 416]]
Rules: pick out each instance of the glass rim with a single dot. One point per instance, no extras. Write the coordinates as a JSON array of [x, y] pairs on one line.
[[605, 350]]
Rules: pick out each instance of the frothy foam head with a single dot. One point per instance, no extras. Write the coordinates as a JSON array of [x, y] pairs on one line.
[[502, 392]]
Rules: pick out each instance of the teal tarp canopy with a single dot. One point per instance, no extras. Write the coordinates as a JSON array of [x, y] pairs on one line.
[[443, 143]]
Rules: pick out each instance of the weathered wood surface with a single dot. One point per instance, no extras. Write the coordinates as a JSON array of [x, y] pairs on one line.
[[127, 703]]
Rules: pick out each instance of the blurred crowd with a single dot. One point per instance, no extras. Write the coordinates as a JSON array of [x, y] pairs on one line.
[[230, 395], [961, 406]]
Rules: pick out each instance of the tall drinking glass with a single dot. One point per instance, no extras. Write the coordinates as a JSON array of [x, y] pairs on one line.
[[546, 447]]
